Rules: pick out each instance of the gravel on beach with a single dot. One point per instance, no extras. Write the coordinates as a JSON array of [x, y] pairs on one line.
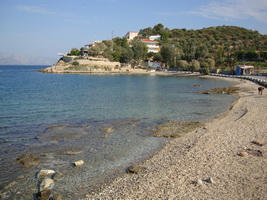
[[225, 158]]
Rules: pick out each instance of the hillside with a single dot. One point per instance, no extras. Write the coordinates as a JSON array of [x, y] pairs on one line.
[[220, 47]]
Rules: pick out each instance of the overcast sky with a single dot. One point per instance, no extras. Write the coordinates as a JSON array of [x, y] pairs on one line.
[[47, 27]]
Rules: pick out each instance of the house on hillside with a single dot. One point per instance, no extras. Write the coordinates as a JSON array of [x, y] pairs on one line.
[[92, 45], [244, 70], [130, 35], [153, 46]]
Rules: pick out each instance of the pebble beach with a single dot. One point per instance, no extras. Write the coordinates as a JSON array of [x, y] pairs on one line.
[[226, 158]]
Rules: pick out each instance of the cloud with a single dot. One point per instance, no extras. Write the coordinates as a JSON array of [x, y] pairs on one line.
[[234, 9], [38, 10]]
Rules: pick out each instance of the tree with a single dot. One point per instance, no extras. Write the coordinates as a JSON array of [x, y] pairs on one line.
[[194, 66], [74, 52], [146, 32], [183, 64], [139, 50], [158, 28], [126, 55], [120, 41], [94, 51], [168, 54], [231, 61]]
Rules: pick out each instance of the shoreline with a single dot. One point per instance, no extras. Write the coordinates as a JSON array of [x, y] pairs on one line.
[[206, 163]]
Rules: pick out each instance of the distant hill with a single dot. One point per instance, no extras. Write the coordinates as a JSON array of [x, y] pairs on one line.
[[220, 47], [15, 59], [227, 37]]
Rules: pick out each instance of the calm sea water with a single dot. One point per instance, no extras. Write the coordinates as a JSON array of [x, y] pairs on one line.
[[48, 114]]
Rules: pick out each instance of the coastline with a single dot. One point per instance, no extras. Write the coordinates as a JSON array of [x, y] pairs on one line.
[[224, 159]]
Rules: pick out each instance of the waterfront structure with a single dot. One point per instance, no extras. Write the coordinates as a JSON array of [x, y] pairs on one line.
[[153, 46], [244, 70]]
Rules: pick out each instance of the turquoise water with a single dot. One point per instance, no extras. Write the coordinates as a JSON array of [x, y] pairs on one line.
[[52, 113]]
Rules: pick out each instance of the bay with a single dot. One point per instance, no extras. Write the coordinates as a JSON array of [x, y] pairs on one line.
[[51, 114]]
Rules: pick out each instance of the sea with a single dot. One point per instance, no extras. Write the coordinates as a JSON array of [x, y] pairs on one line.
[[104, 120]]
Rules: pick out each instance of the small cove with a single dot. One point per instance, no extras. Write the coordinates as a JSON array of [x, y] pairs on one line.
[[51, 114]]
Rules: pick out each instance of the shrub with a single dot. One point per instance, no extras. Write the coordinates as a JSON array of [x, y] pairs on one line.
[[75, 63]]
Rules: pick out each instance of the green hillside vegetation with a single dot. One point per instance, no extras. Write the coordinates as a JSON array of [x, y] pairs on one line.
[[219, 47]]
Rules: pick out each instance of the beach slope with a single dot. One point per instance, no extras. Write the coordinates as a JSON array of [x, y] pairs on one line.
[[224, 159]]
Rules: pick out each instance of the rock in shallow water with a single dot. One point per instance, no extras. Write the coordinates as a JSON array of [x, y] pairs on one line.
[[78, 163], [45, 173], [44, 195], [47, 183], [136, 169]]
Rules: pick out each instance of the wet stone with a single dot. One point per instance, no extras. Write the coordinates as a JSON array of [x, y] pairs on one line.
[[44, 195], [78, 163], [47, 183], [45, 173], [136, 169]]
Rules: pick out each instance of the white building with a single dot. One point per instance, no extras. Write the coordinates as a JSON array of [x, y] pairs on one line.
[[155, 37], [153, 46], [92, 45], [130, 35]]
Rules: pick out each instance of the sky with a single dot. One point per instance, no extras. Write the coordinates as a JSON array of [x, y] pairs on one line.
[[44, 28]]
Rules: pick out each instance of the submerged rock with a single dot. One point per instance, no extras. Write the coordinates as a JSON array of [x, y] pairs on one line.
[[72, 152], [175, 129], [44, 195], [226, 90], [28, 160], [57, 197], [107, 131]]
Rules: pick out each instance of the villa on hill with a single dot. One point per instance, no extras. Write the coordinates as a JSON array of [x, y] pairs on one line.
[[130, 35], [153, 46]]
